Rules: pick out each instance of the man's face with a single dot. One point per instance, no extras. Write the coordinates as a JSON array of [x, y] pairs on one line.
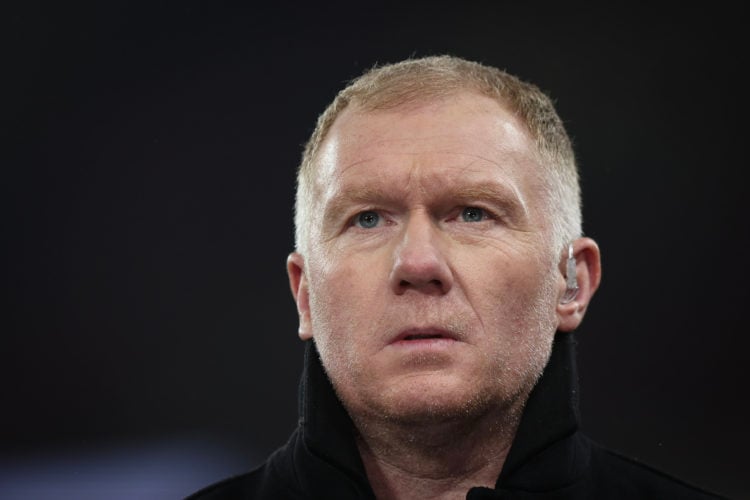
[[429, 286]]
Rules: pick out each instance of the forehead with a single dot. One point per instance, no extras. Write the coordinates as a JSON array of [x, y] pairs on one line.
[[466, 128], [428, 149]]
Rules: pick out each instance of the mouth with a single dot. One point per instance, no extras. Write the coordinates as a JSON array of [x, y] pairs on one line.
[[415, 335]]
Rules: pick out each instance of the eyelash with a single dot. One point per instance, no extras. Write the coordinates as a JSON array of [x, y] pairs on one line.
[[486, 215]]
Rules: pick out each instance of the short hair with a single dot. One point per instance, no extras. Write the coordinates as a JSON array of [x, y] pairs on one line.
[[426, 79]]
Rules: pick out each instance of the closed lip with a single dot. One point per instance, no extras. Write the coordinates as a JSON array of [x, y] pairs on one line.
[[429, 333]]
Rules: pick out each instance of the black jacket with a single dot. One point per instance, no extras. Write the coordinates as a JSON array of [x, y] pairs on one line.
[[550, 457]]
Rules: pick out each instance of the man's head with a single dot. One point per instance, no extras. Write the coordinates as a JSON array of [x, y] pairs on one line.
[[434, 203]]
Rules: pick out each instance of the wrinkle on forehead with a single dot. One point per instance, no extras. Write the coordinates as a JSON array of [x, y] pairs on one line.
[[336, 159], [430, 138], [340, 152], [426, 169], [442, 125]]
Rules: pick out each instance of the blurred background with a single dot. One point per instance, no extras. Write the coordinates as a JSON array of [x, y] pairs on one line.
[[148, 160]]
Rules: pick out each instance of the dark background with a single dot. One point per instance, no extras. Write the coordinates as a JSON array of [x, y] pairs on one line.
[[148, 160]]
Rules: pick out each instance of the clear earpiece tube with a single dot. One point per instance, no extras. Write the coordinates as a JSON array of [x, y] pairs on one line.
[[571, 280]]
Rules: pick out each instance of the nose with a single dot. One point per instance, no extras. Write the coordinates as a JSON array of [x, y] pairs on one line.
[[419, 261]]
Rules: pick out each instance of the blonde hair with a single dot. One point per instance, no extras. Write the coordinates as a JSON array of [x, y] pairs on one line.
[[432, 78]]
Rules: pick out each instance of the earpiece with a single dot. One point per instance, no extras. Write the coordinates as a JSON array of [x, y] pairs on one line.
[[571, 280]]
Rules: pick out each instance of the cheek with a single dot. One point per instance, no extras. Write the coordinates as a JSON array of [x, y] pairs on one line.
[[341, 292], [511, 300], [341, 280], [519, 322], [346, 316], [344, 307]]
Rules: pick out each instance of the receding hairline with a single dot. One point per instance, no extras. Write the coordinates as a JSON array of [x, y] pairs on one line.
[[401, 91], [356, 110]]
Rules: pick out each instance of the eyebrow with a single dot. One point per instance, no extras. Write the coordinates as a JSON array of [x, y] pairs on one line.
[[497, 192], [361, 195], [503, 196]]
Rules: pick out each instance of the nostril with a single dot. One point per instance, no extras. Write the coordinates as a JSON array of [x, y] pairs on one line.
[[416, 283]]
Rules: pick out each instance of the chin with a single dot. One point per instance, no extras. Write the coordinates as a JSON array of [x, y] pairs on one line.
[[432, 402]]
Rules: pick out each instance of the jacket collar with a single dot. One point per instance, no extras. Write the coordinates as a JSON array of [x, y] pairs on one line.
[[548, 452], [327, 429]]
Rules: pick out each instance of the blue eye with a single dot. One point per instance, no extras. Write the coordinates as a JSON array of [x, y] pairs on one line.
[[367, 220], [472, 214]]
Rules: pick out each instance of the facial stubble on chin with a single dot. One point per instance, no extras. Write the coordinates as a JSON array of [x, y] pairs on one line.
[[504, 397]]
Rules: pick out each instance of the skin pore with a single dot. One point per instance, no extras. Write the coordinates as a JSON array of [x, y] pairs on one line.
[[431, 289]]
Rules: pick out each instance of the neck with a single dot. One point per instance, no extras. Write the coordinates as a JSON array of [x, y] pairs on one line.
[[436, 460]]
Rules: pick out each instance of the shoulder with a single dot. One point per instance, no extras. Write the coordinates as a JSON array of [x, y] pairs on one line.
[[249, 485], [233, 487], [614, 471], [264, 482]]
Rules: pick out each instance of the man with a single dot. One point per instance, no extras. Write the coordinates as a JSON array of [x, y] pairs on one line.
[[439, 270]]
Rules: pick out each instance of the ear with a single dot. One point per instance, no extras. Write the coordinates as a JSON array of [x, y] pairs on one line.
[[295, 268], [588, 273]]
